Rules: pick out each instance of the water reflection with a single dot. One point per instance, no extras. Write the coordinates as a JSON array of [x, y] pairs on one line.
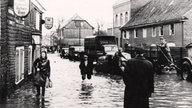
[[40, 104], [86, 91]]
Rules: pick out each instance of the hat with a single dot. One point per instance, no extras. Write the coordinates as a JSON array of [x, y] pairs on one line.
[[139, 50]]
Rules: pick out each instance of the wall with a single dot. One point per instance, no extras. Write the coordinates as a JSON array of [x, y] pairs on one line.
[[118, 9], [3, 50], [71, 33], [149, 40]]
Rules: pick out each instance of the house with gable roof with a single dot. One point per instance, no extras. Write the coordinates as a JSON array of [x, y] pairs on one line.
[[171, 19], [74, 31]]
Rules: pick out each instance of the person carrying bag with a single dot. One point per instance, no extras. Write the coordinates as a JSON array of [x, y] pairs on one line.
[[42, 72]]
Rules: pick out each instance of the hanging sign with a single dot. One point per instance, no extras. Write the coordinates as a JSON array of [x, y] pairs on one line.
[[48, 22], [21, 7]]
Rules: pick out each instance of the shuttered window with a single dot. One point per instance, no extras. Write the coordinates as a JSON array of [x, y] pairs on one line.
[[144, 33], [30, 61], [171, 29], [161, 31], [19, 75], [154, 32]]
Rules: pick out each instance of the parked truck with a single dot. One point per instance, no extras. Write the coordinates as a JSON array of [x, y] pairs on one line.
[[96, 46]]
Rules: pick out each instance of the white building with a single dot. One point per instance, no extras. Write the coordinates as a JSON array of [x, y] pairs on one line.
[[121, 15]]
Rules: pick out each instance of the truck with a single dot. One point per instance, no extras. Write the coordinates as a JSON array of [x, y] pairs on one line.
[[74, 52], [97, 45]]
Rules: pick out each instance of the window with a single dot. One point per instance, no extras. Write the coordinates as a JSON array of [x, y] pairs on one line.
[[32, 16], [37, 21], [135, 33], [171, 29], [154, 32], [126, 17], [19, 75], [121, 19], [116, 20], [123, 35], [161, 31], [127, 35], [30, 61], [144, 33]]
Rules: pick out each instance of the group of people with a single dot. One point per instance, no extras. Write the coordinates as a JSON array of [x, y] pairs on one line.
[[137, 76]]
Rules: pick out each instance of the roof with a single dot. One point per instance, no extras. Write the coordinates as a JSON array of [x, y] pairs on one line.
[[38, 5], [118, 2], [76, 17], [137, 4], [159, 12]]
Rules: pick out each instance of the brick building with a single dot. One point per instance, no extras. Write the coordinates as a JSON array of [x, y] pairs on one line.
[[171, 19], [18, 44], [74, 31]]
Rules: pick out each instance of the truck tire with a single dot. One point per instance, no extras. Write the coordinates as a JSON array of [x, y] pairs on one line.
[[185, 71]]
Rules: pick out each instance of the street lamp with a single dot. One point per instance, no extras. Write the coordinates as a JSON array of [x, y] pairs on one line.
[[78, 25]]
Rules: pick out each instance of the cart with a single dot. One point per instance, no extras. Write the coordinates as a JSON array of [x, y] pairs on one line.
[[159, 60]]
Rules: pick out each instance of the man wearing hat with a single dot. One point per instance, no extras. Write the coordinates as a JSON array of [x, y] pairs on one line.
[[138, 79]]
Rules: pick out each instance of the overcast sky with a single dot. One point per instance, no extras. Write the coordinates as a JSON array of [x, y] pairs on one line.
[[91, 10]]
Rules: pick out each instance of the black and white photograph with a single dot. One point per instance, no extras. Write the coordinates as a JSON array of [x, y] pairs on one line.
[[95, 53]]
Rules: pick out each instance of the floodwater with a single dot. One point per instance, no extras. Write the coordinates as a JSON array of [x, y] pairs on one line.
[[102, 91]]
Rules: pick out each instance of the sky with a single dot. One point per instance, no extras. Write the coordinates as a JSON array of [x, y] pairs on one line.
[[91, 10]]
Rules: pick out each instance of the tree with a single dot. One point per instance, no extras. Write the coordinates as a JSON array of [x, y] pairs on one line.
[[100, 25]]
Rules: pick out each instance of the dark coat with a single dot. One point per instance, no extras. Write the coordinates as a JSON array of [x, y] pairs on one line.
[[90, 65], [82, 67], [44, 66], [138, 79]]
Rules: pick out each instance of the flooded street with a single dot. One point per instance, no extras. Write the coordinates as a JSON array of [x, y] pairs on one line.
[[102, 91]]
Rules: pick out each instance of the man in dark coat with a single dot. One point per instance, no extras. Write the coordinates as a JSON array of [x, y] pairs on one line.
[[138, 79]]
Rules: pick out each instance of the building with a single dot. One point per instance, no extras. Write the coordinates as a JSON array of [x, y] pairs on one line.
[[20, 42], [168, 18], [74, 31], [123, 10], [121, 15]]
